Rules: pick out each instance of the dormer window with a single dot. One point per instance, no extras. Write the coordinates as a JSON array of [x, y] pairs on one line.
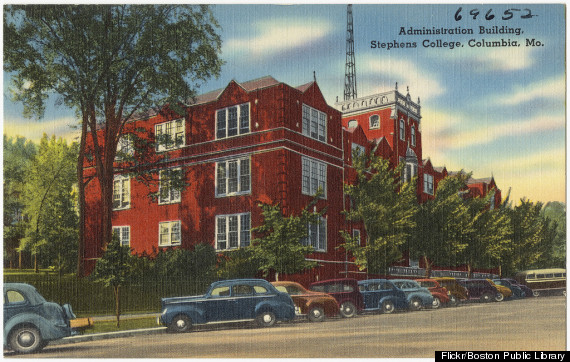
[[314, 123], [374, 121]]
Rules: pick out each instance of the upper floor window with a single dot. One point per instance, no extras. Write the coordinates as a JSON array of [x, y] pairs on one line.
[[169, 233], [314, 175], [428, 184], [374, 121], [233, 177], [233, 231], [314, 123], [317, 237], [232, 121], [124, 234], [170, 135], [402, 130], [413, 135], [356, 235], [352, 123], [169, 187], [125, 148], [121, 192], [357, 150]]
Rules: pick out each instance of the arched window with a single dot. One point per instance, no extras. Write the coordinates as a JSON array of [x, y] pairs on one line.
[[402, 130], [374, 121], [352, 123]]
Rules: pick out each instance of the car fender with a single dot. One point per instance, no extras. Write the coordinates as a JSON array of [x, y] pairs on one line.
[[395, 300], [444, 298], [426, 300], [281, 310], [47, 329], [330, 307], [196, 315]]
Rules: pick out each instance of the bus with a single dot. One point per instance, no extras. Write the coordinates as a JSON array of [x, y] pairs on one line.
[[544, 281]]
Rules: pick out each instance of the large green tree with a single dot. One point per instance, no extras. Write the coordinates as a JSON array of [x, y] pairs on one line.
[[108, 62], [385, 206], [555, 213], [49, 201]]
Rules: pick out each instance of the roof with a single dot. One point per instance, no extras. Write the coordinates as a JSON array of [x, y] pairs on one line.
[[304, 87], [486, 180], [249, 86]]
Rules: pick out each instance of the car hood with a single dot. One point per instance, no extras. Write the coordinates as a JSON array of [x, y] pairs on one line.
[[192, 298]]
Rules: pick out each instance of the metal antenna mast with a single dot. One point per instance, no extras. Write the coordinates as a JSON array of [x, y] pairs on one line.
[[350, 69]]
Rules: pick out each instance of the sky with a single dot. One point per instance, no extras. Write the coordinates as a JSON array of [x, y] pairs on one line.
[[493, 111]]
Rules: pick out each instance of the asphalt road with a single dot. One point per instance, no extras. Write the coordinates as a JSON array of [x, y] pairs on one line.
[[520, 325]]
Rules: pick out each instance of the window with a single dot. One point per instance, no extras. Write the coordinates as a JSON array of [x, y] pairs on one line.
[[352, 123], [233, 177], [121, 192], [374, 121], [314, 175], [402, 130], [124, 233], [428, 184], [170, 135], [14, 297], [232, 121], [317, 237], [169, 187], [314, 123], [220, 292], [241, 290], [169, 233], [357, 150], [125, 148], [233, 231], [356, 235], [413, 135]]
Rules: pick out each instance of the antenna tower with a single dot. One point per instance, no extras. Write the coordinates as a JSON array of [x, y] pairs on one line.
[[349, 69]]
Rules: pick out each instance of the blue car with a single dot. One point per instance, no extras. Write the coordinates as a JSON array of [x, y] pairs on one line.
[[416, 296], [236, 300], [517, 292], [382, 295], [30, 322]]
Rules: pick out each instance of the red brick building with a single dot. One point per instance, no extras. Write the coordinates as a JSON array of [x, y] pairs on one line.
[[252, 142]]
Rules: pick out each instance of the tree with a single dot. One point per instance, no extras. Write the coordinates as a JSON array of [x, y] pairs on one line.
[[280, 247], [49, 205], [555, 213], [385, 206], [18, 155], [114, 269], [443, 224], [108, 62]]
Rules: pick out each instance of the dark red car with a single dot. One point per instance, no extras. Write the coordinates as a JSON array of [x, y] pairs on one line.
[[346, 293], [439, 293]]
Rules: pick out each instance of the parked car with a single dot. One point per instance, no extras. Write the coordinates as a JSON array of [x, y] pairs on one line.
[[527, 291], [515, 290], [457, 291], [30, 322], [417, 297], [481, 290], [382, 295], [346, 293], [314, 305], [441, 296], [236, 300], [505, 292]]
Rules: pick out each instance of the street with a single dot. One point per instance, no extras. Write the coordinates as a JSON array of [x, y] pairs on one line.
[[519, 325]]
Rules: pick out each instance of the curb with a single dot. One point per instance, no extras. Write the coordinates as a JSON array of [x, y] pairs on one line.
[[109, 335]]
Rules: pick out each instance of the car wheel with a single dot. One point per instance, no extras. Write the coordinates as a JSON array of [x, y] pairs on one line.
[[265, 319], [181, 323], [387, 307], [347, 310], [535, 293], [486, 298], [26, 339], [436, 303], [453, 301], [564, 293], [499, 297], [415, 304], [316, 314]]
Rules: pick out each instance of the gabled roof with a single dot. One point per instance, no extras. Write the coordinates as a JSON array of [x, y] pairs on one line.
[[486, 180], [248, 86], [304, 87]]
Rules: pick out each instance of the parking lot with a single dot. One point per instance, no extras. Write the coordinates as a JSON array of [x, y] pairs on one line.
[[518, 325]]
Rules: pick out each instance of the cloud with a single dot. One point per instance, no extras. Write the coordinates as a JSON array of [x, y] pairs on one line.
[[277, 36], [421, 82], [490, 59], [554, 88], [34, 130]]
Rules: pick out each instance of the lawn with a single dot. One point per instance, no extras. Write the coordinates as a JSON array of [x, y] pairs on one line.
[[125, 325]]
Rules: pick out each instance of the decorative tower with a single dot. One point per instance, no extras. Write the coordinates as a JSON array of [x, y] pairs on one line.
[[350, 69]]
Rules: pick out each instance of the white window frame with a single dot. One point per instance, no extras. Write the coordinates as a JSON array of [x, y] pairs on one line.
[[175, 129], [313, 175], [374, 121], [242, 177], [317, 236], [228, 230], [402, 130], [428, 184], [122, 192], [413, 135], [314, 123], [243, 114], [124, 233], [173, 196], [125, 147], [174, 232]]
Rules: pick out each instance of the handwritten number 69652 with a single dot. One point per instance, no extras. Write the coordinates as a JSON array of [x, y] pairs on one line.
[[507, 14]]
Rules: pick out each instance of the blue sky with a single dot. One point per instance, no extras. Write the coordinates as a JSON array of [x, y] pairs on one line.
[[496, 111]]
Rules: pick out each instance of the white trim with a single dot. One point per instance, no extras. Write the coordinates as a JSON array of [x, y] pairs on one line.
[[226, 177], [120, 178], [238, 115], [227, 230], [159, 148], [120, 228], [170, 243], [170, 199]]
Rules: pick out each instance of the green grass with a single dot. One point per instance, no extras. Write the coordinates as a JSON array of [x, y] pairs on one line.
[[125, 325]]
